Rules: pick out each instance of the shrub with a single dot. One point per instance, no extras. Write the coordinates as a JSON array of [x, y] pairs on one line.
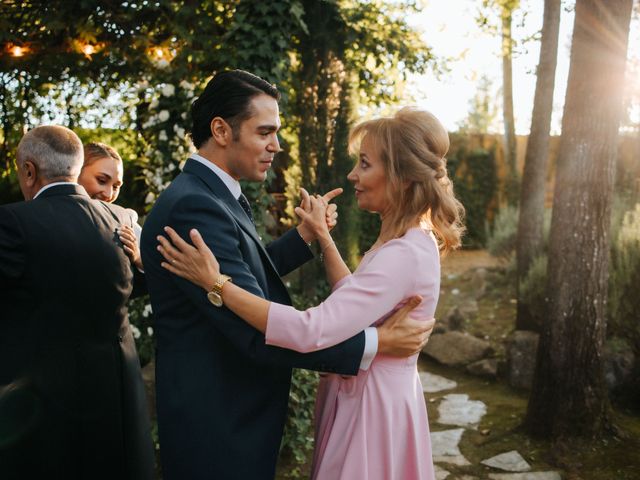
[[624, 275], [475, 184], [501, 237]]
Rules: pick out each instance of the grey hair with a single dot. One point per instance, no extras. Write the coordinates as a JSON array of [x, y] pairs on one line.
[[55, 150]]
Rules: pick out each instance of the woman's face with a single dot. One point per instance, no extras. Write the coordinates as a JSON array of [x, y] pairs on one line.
[[369, 179], [102, 179]]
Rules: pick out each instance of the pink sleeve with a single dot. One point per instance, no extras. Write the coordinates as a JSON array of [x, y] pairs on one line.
[[360, 300]]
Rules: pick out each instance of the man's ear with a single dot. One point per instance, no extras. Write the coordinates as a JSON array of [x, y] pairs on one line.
[[30, 173], [221, 131]]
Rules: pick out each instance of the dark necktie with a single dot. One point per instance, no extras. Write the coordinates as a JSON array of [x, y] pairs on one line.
[[244, 203]]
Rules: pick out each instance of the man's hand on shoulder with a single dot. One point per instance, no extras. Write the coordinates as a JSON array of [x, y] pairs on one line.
[[403, 336]]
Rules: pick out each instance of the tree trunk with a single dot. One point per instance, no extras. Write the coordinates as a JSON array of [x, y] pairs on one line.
[[530, 223], [511, 184], [569, 395]]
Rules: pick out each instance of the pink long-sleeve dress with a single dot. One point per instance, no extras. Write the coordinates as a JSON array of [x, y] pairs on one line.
[[372, 426]]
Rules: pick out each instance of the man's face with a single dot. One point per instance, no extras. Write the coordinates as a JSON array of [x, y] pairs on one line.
[[251, 153]]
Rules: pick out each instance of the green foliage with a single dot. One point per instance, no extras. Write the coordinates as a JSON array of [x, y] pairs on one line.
[[501, 236], [624, 275], [475, 182], [141, 320], [297, 441]]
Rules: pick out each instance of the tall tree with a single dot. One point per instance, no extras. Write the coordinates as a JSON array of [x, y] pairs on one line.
[[506, 16], [504, 10], [569, 395], [530, 223]]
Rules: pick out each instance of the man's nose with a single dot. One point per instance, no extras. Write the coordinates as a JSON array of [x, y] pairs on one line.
[[274, 145]]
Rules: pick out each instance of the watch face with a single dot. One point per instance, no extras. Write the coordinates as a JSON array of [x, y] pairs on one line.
[[215, 299]]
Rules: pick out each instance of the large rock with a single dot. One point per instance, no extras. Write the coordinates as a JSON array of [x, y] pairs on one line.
[[522, 347], [487, 368], [457, 348]]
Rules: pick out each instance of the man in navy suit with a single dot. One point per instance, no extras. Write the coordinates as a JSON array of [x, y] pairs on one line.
[[221, 392]]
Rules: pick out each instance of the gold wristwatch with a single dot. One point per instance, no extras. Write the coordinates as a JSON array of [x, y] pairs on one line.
[[215, 295]]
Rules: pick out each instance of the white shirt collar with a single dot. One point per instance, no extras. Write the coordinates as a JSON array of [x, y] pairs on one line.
[[49, 185], [232, 184]]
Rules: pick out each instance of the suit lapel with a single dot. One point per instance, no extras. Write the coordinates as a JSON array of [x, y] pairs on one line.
[[222, 193]]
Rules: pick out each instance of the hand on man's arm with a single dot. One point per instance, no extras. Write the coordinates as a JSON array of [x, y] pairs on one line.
[[403, 336]]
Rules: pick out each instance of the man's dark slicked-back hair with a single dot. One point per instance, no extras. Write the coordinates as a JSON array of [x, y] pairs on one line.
[[227, 95]]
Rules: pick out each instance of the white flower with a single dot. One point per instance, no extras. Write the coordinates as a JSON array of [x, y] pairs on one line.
[[135, 331], [147, 310], [150, 331], [179, 132], [186, 85], [163, 116], [162, 63], [162, 136], [168, 90], [149, 198], [154, 104]]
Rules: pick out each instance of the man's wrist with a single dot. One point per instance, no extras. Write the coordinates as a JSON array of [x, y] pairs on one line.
[[382, 339]]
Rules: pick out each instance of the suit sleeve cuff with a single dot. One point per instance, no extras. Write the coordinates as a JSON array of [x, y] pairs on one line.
[[370, 347]]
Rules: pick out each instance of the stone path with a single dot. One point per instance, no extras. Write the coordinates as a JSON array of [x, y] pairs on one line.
[[458, 410]]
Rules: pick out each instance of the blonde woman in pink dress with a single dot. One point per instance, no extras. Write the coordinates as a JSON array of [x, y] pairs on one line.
[[372, 426]]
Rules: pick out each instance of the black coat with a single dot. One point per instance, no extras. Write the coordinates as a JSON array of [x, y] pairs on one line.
[[222, 393], [73, 404]]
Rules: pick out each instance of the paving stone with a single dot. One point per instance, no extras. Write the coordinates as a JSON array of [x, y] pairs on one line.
[[457, 409], [441, 473], [444, 447], [526, 476], [435, 383], [510, 461]]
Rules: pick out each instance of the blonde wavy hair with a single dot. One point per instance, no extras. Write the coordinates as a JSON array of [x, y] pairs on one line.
[[412, 146]]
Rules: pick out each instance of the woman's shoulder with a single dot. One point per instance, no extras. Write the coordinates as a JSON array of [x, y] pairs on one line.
[[414, 245], [416, 238]]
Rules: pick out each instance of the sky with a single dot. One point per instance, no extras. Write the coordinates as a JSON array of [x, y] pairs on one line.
[[449, 28]]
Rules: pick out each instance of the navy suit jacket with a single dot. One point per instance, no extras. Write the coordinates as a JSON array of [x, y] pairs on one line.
[[221, 392]]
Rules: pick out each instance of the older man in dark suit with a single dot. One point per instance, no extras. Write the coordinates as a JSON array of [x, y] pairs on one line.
[[72, 403]]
